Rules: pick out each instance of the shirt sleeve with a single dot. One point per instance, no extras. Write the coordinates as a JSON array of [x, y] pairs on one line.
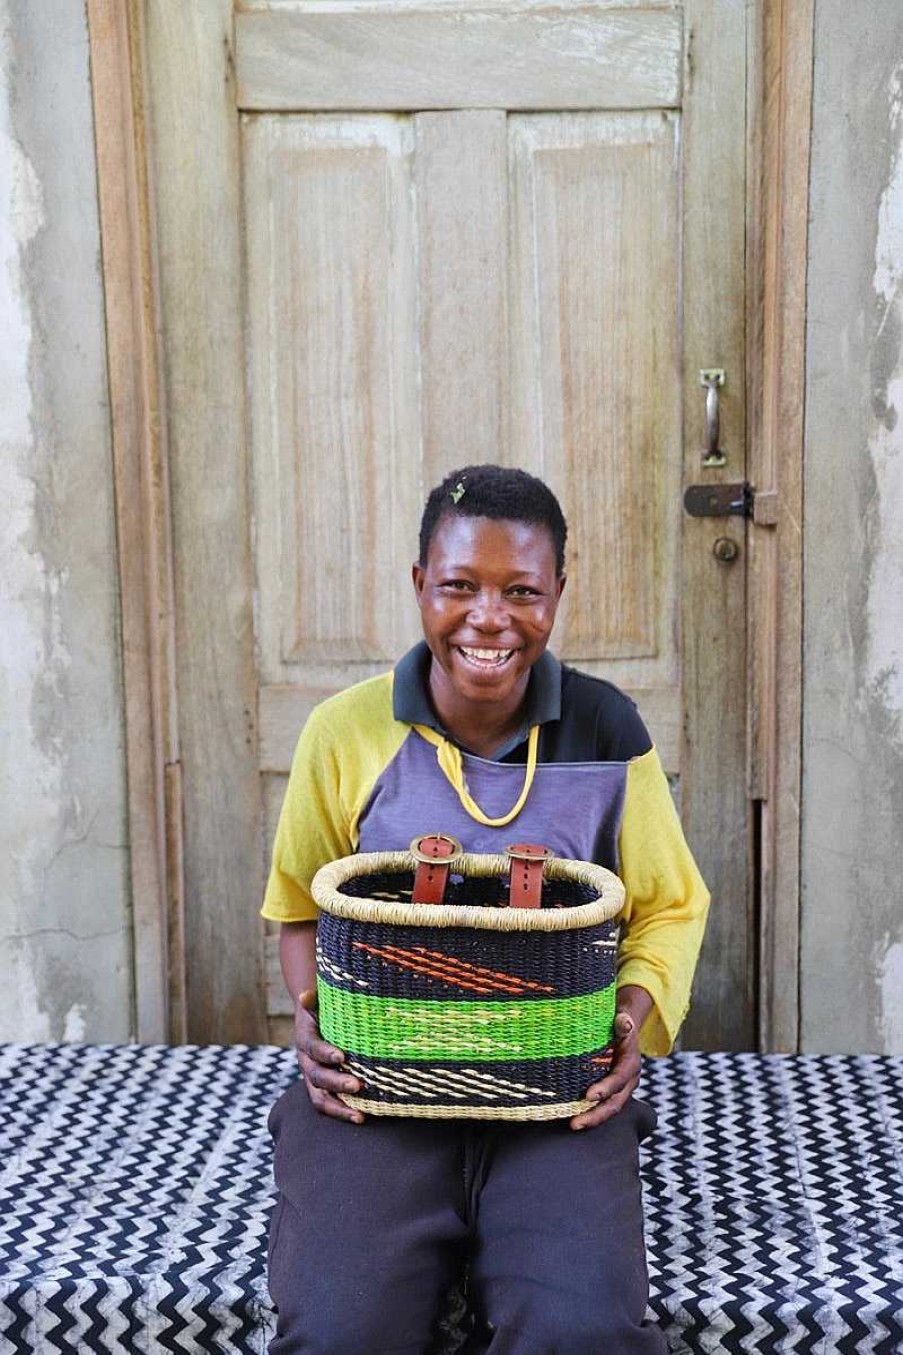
[[666, 904], [314, 825]]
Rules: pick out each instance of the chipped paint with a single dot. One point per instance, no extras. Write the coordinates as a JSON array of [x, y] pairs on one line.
[[25, 602], [883, 667], [884, 660], [75, 1027], [64, 908], [890, 981]]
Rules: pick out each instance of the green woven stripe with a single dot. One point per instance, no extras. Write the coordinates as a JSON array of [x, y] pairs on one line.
[[404, 1028]]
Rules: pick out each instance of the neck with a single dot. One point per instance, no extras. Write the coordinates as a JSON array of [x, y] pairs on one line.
[[482, 728]]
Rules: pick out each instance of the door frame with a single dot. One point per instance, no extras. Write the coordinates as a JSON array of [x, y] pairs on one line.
[[168, 724], [780, 99]]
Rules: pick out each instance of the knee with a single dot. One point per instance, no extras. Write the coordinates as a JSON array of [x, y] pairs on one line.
[[317, 1318], [320, 1332], [567, 1328], [354, 1323]]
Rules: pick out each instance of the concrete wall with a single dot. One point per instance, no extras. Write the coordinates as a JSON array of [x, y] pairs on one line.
[[65, 950], [852, 862]]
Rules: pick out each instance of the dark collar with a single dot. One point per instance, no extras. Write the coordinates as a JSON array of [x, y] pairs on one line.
[[411, 703]]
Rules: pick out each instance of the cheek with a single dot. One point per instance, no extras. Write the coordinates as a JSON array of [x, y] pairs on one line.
[[542, 620], [441, 612], [444, 608]]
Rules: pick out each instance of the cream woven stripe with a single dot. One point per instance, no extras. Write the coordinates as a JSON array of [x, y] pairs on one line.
[[393, 1081], [445, 1081], [559, 1111], [327, 883]]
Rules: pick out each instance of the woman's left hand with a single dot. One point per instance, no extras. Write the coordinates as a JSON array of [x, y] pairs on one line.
[[618, 1085]]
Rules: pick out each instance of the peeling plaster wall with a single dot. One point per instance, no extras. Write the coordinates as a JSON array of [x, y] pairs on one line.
[[65, 950], [852, 863]]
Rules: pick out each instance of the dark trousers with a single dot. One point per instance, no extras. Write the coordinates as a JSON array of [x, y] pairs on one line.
[[374, 1223]]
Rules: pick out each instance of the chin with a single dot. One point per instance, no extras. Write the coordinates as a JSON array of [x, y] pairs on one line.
[[483, 691]]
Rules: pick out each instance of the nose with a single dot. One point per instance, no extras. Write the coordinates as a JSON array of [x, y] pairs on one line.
[[488, 612]]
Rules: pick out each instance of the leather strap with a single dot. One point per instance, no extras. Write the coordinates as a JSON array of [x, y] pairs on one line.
[[435, 854], [527, 864]]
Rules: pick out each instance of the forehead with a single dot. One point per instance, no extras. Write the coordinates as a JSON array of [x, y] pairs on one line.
[[492, 542]]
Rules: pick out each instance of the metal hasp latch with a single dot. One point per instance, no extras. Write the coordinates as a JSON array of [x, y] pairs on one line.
[[733, 500]]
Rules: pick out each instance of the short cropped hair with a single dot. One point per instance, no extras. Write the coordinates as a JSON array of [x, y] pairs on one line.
[[498, 492]]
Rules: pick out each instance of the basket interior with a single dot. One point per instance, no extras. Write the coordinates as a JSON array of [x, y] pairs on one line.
[[477, 891]]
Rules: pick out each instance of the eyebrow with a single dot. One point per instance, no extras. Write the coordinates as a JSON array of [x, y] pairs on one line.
[[468, 569]]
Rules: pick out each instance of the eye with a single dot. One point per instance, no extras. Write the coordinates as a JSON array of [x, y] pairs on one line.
[[457, 585], [523, 590]]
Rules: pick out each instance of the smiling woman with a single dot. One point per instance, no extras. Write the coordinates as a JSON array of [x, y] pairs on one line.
[[479, 727]]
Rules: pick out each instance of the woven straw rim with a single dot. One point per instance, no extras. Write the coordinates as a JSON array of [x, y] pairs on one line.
[[328, 880]]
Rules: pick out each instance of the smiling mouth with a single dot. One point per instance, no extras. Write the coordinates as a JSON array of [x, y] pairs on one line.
[[485, 659]]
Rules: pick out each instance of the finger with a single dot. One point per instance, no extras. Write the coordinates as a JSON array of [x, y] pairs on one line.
[[323, 1087], [588, 1119], [321, 1052], [329, 1079], [616, 1097], [329, 1105], [626, 1064], [309, 1047], [307, 1035], [622, 1076]]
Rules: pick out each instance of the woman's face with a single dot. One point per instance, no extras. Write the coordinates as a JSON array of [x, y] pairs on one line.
[[487, 596]]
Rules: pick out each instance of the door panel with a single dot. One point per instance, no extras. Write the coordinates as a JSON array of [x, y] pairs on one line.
[[403, 57], [333, 389], [461, 188], [596, 393]]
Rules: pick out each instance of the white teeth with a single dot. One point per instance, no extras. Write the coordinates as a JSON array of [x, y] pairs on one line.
[[497, 656]]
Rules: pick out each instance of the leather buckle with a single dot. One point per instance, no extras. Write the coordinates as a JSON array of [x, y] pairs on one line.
[[416, 848], [529, 851], [432, 871], [527, 865]]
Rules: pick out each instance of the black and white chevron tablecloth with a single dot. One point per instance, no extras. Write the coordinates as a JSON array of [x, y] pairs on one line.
[[135, 1191]]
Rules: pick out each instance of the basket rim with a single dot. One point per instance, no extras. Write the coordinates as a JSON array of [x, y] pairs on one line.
[[328, 879]]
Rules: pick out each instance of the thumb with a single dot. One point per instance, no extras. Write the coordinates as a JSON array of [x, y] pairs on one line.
[[308, 999], [624, 1025]]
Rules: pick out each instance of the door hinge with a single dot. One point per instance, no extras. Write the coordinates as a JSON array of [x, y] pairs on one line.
[[732, 500]]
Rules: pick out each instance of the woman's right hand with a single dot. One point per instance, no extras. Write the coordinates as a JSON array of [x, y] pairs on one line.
[[320, 1064]]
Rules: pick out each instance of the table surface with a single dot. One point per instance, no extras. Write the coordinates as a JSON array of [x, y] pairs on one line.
[[136, 1189]]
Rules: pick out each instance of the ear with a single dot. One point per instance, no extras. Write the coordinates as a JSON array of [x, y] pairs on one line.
[[562, 580], [418, 577]]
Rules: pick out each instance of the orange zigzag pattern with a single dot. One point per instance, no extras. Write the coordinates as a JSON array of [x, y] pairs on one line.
[[475, 978]]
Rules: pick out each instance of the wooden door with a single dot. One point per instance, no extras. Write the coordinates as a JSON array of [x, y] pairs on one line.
[[395, 238]]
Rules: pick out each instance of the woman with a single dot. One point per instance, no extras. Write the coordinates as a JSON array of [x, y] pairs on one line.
[[479, 733]]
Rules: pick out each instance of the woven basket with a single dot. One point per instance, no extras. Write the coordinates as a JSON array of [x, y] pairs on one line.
[[469, 1008]]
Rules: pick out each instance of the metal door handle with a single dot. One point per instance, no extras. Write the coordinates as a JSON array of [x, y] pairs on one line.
[[712, 378]]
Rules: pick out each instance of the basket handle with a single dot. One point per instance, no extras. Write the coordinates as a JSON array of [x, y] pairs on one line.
[[435, 854], [527, 861]]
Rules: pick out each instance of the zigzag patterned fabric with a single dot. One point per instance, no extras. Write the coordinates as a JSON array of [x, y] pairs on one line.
[[136, 1189]]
